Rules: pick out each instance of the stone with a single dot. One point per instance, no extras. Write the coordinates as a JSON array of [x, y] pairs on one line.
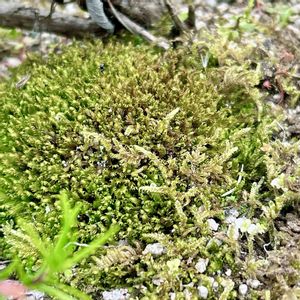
[[202, 292], [243, 289], [213, 225], [117, 294], [201, 265], [155, 249]]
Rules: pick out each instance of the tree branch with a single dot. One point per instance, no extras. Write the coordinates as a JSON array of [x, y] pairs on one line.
[[12, 15]]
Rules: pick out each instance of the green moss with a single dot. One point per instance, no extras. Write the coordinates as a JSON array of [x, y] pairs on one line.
[[154, 142]]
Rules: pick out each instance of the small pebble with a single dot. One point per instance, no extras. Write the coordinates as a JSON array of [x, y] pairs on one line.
[[12, 62], [117, 294], [243, 224], [211, 3], [155, 249], [35, 295], [211, 280], [215, 286], [187, 294], [213, 225], [230, 219], [252, 229], [277, 98], [296, 9], [232, 212], [297, 23], [123, 242], [158, 281], [228, 272], [202, 292], [254, 283], [201, 265], [243, 289], [222, 7]]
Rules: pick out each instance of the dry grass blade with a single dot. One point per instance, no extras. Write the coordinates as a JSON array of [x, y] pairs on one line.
[[23, 81]]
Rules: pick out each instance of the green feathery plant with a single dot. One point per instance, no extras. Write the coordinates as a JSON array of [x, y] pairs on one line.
[[57, 256]]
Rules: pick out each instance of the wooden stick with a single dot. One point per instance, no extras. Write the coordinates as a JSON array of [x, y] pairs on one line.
[[17, 15]]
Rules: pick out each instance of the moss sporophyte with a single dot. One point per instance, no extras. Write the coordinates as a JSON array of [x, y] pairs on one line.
[[157, 144]]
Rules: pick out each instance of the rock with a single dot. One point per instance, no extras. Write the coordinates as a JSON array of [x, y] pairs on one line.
[[252, 229], [187, 294], [12, 62], [158, 281], [202, 292], [297, 23], [222, 7], [215, 286], [35, 295], [232, 212], [296, 9], [155, 249], [293, 222], [117, 294], [201, 265], [230, 219], [254, 283], [213, 225], [211, 3], [243, 289]]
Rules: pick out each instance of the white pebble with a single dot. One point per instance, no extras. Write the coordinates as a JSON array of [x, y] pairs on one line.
[[215, 286], [297, 23], [230, 219], [228, 272], [252, 229], [233, 212], [35, 295], [117, 294], [158, 281], [12, 62], [211, 3], [222, 7], [187, 294], [213, 225], [201, 265], [254, 283], [276, 183], [243, 289], [172, 296], [155, 249], [296, 9], [211, 280], [243, 224], [202, 292]]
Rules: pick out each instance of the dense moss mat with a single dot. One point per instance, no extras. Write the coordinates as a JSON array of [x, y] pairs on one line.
[[151, 141]]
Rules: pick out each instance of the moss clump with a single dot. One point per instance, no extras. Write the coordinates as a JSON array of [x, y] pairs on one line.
[[152, 142]]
